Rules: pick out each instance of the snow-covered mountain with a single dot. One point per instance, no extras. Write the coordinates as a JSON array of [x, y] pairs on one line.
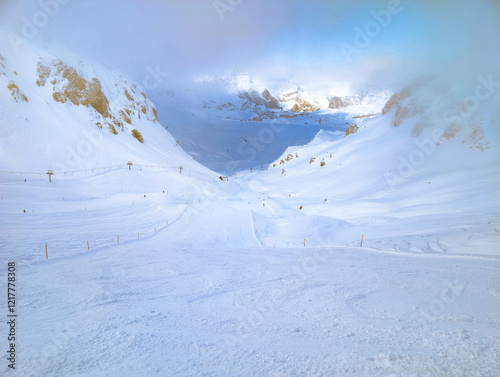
[[237, 96], [381, 231], [69, 116]]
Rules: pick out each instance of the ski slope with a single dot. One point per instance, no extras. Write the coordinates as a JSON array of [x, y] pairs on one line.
[[262, 273], [201, 296]]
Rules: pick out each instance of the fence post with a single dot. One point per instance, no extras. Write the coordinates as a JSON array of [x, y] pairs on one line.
[[50, 174]]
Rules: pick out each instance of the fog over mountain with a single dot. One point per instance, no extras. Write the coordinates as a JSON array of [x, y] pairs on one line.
[[383, 43]]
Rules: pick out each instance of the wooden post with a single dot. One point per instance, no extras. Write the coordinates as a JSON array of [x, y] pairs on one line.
[[46, 252], [50, 174], [362, 240], [88, 247], [129, 164], [180, 169]]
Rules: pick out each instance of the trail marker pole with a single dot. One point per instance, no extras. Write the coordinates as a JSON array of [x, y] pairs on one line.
[[88, 246], [362, 240], [304, 242], [117, 238], [129, 164], [46, 252], [50, 174]]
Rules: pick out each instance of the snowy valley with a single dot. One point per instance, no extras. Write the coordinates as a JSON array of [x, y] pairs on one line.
[[255, 232]]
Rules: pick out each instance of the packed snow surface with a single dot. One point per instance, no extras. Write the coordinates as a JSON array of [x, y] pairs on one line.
[[189, 289]]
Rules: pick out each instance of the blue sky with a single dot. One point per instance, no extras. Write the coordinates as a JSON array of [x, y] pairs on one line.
[[299, 40]]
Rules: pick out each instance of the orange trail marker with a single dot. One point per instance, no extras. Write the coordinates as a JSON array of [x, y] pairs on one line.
[[46, 252], [362, 240], [88, 247]]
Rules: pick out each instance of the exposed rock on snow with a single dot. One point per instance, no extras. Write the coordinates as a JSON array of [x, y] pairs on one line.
[[69, 85], [271, 102], [16, 93], [336, 103], [299, 100]]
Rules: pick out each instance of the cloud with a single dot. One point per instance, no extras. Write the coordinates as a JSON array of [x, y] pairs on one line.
[[291, 40]]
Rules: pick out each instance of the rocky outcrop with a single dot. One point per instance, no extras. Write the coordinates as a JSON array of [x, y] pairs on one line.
[[395, 100], [271, 102], [404, 108], [352, 129], [253, 98], [16, 93], [300, 101], [336, 103], [70, 86], [74, 88], [2, 65]]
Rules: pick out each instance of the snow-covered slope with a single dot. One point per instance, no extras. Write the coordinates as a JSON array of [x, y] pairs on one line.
[[427, 185], [371, 250], [74, 116]]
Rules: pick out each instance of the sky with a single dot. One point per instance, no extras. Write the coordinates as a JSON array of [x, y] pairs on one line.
[[363, 42]]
